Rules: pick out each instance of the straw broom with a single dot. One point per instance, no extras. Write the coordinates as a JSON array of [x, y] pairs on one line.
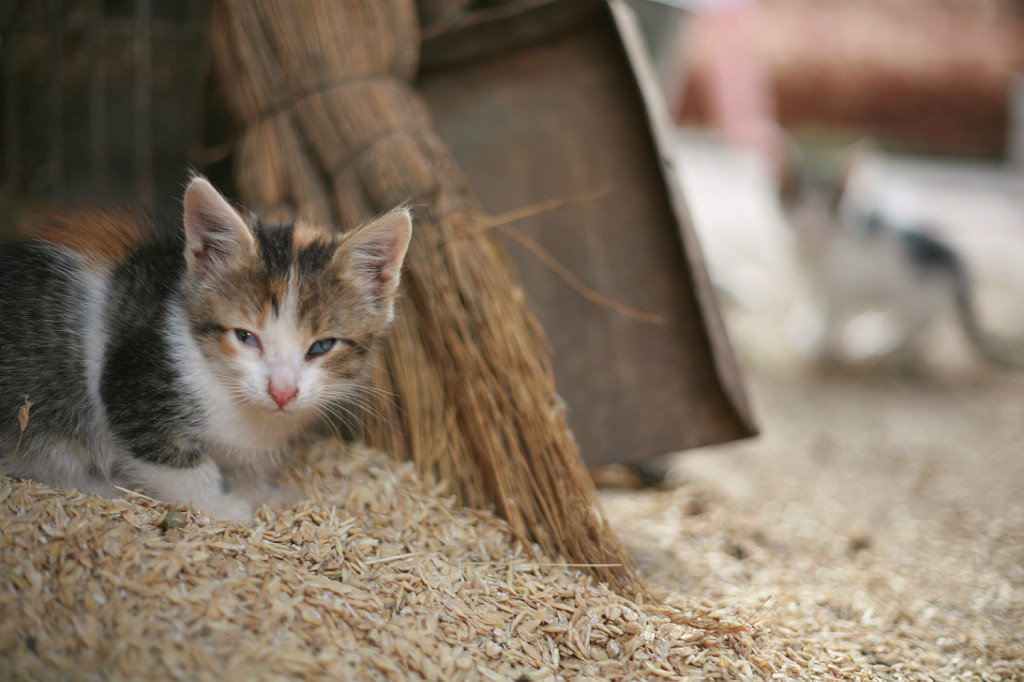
[[333, 131]]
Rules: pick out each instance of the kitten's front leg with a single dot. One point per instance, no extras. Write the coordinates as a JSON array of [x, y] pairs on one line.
[[200, 485], [254, 485]]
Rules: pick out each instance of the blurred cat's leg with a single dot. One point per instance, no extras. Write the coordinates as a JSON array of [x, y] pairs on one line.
[[914, 312], [835, 311], [201, 485]]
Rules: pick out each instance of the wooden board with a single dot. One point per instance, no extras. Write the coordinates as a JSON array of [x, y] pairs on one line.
[[540, 100]]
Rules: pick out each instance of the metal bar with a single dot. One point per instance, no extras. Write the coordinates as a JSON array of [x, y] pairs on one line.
[[97, 104], [11, 157], [114, 27], [55, 119], [144, 102], [200, 65]]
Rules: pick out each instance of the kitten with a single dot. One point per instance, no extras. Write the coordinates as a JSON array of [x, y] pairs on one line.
[[183, 362], [863, 254]]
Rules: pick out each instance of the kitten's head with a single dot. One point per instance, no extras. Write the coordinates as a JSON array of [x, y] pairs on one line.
[[286, 315], [821, 175]]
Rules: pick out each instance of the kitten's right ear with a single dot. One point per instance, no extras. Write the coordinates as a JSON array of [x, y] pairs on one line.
[[372, 256], [214, 232]]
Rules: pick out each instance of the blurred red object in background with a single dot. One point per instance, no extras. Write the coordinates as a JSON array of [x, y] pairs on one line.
[[925, 76]]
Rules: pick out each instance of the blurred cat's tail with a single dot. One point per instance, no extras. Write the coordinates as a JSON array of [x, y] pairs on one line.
[[996, 351]]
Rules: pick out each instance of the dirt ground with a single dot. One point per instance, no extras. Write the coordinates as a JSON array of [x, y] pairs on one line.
[[884, 513]]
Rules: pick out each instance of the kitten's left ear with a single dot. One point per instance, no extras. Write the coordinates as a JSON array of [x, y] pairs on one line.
[[373, 255], [214, 232]]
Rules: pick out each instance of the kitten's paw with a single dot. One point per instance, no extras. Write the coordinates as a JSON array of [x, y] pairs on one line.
[[231, 507], [282, 497]]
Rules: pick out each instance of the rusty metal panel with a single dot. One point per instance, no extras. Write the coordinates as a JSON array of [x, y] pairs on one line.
[[565, 111]]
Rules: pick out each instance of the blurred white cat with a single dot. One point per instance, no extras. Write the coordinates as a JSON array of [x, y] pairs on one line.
[[876, 267]]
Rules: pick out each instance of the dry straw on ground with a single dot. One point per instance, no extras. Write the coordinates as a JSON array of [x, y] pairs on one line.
[[834, 604], [373, 578], [877, 520], [377, 577]]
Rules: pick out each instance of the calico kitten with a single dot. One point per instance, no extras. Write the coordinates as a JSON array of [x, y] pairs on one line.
[[183, 362], [862, 254]]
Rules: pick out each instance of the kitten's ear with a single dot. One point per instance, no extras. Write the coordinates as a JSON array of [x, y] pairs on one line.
[[214, 232], [372, 255]]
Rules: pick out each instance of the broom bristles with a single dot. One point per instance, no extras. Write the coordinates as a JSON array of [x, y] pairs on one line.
[[333, 130]]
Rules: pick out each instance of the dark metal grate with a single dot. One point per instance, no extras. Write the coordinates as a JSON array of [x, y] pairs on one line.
[[101, 99]]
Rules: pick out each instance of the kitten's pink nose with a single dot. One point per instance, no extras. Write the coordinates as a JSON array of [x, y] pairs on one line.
[[281, 396]]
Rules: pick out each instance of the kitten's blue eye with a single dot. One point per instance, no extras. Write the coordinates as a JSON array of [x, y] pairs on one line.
[[319, 348], [248, 338]]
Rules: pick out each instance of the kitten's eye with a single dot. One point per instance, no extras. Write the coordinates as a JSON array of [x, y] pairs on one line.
[[319, 348], [247, 338]]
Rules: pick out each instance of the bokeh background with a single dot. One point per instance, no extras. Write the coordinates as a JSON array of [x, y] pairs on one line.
[[888, 499]]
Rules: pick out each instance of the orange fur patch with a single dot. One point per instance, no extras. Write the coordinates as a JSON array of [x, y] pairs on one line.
[[278, 287], [226, 347], [104, 237], [304, 234], [261, 321]]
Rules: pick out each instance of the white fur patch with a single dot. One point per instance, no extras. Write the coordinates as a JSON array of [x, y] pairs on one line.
[[94, 337], [199, 486], [237, 429]]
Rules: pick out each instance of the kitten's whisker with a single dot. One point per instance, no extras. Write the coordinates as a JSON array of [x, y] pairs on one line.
[[228, 384], [332, 409], [363, 404], [387, 397], [374, 389], [337, 408], [369, 409], [369, 392], [354, 428], [345, 397], [326, 419], [355, 425]]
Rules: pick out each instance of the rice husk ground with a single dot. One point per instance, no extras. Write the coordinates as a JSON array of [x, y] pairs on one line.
[[877, 524], [839, 546], [373, 578]]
